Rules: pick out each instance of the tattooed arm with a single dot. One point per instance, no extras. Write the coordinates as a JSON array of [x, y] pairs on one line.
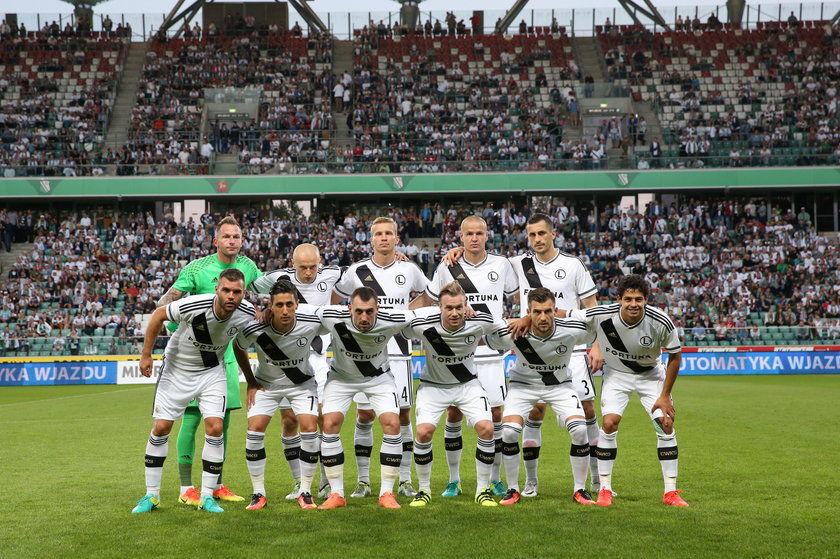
[[171, 295]]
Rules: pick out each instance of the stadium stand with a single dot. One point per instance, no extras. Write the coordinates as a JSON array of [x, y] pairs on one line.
[[56, 94], [433, 102], [735, 97]]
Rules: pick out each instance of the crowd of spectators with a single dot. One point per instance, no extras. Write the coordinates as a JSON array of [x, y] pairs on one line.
[[780, 108], [439, 102], [56, 95], [724, 267]]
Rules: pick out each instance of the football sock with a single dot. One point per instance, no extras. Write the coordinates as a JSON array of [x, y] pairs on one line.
[[322, 471], [390, 459], [496, 470], [291, 450], [309, 450], [212, 457], [185, 444], [453, 442], [255, 458], [363, 440], [531, 442], [423, 463], [332, 455], [593, 431], [407, 449], [607, 451], [510, 450], [485, 450], [156, 450], [579, 452], [666, 446], [225, 425]]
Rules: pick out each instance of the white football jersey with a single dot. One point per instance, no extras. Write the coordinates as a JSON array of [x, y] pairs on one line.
[[318, 292], [450, 355], [565, 275], [633, 349], [357, 354], [283, 357], [201, 339], [393, 284], [486, 284], [543, 361]]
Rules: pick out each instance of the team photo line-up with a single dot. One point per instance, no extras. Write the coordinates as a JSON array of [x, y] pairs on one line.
[[368, 313]]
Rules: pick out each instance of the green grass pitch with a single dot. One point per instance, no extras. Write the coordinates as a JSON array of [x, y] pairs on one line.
[[758, 464]]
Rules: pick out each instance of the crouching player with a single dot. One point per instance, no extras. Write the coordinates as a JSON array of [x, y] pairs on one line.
[[284, 372], [541, 374]]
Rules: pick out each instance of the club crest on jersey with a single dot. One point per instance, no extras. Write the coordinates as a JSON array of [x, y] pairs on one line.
[[379, 339], [302, 342], [493, 276], [232, 331], [400, 279], [646, 341], [322, 287], [561, 349], [560, 274], [469, 339]]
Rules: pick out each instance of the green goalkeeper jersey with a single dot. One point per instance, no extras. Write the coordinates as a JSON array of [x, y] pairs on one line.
[[200, 277]]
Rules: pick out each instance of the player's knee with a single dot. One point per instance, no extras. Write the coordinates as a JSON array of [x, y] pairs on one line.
[[390, 423], [332, 423], [484, 429], [405, 416], [425, 431], [577, 432], [496, 413], [610, 423], [290, 424], [537, 412], [161, 428], [530, 443], [214, 429], [366, 416]]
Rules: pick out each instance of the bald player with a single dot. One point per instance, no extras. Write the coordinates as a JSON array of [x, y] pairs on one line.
[[315, 285]]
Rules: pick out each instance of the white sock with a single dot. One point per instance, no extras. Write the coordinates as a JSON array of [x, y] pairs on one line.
[[321, 462], [531, 443], [496, 470], [156, 450], [407, 434], [390, 459], [607, 452], [212, 456], [291, 449], [332, 456], [255, 458], [579, 452], [309, 449], [485, 450], [510, 450], [453, 443], [592, 430], [363, 441], [666, 446], [423, 459]]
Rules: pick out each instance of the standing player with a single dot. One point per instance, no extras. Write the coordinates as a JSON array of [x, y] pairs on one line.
[[568, 279], [487, 280], [633, 335], [541, 374], [393, 281], [200, 277], [285, 374], [193, 369], [449, 379], [360, 338], [315, 284]]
